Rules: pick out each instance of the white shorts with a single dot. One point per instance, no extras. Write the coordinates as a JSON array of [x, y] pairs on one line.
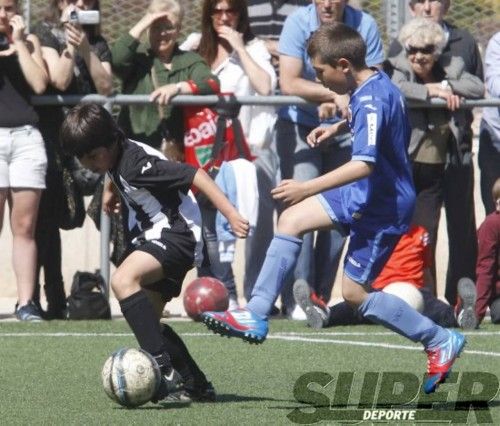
[[23, 161]]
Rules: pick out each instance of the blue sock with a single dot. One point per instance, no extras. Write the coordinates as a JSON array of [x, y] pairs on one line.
[[395, 314], [281, 258]]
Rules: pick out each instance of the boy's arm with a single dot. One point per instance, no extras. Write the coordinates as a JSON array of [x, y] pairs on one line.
[[292, 192], [207, 186]]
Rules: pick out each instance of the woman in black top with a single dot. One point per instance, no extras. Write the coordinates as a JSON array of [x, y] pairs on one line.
[[22, 155], [79, 62]]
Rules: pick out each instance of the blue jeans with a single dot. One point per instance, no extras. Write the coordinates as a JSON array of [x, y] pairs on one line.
[[317, 265], [489, 164], [256, 245]]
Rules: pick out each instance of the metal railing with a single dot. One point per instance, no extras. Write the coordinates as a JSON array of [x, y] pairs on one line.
[[277, 100]]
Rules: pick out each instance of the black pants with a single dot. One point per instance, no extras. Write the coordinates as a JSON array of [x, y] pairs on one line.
[[429, 186], [48, 241], [461, 221]]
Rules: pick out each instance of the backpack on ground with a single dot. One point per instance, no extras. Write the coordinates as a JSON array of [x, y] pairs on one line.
[[88, 300]]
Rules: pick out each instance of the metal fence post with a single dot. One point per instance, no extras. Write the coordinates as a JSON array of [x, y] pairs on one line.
[[105, 232]]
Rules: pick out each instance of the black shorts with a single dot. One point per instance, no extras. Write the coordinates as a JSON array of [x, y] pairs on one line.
[[175, 252]]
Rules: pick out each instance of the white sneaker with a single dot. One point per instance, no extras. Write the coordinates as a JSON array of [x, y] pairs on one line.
[[233, 304], [298, 314]]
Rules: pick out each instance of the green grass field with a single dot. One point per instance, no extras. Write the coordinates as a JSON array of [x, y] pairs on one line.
[[50, 374]]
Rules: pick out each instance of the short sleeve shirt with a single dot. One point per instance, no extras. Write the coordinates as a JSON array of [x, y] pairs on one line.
[[297, 30]]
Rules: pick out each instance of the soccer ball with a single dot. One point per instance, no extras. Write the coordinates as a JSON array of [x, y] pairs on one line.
[[408, 292], [131, 377], [205, 294]]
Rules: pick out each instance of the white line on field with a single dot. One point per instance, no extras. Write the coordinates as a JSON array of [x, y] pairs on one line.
[[293, 336], [370, 344]]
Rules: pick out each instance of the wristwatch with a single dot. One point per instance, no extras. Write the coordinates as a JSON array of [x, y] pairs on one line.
[[445, 85]]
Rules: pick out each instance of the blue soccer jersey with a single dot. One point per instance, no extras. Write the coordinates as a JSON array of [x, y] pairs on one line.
[[385, 200]]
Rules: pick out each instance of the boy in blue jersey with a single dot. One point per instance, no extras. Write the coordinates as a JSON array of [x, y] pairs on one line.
[[371, 198]]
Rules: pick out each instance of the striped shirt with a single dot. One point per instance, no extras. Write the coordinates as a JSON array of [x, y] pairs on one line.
[[156, 193]]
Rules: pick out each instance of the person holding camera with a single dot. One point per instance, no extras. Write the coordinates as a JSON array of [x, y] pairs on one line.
[[78, 60], [23, 161]]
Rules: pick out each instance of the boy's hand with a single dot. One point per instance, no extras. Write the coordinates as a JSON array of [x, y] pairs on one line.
[[318, 135], [239, 225], [321, 134], [291, 191]]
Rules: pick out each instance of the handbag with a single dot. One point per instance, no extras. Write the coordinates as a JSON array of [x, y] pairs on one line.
[[170, 147], [212, 137], [72, 209]]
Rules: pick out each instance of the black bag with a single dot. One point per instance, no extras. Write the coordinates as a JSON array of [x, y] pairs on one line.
[[72, 212], [87, 300]]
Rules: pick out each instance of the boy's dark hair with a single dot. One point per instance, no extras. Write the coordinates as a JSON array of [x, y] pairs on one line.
[[330, 42], [87, 127]]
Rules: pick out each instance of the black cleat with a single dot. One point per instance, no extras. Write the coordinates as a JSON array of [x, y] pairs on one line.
[[170, 383]]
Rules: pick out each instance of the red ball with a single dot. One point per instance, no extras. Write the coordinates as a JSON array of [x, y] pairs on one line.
[[205, 294]]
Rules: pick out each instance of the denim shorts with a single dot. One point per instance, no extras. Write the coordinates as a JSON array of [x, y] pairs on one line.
[[23, 161]]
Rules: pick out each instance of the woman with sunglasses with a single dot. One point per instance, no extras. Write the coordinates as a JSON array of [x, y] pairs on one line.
[[243, 65], [423, 73], [159, 69]]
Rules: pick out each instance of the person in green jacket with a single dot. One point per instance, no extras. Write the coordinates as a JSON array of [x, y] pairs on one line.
[[161, 70]]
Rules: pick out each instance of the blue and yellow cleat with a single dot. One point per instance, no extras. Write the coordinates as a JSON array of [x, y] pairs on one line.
[[441, 359], [241, 323]]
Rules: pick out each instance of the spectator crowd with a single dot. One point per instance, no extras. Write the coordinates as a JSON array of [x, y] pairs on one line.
[[257, 48]]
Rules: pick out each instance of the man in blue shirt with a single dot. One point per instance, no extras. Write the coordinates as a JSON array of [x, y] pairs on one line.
[[297, 160], [371, 197]]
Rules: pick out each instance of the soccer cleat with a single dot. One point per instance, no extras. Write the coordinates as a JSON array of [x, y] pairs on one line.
[[186, 396], [170, 384], [241, 323], [28, 312], [316, 313], [467, 293], [441, 359]]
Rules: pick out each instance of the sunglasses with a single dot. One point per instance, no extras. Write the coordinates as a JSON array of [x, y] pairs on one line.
[[428, 49], [231, 12], [165, 27]]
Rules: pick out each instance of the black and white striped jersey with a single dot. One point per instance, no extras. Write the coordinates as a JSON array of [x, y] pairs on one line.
[[157, 195]]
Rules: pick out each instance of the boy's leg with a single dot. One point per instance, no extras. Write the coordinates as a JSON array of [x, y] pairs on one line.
[[251, 323], [141, 268], [366, 256], [194, 379]]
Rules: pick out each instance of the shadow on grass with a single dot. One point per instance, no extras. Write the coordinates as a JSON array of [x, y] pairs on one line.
[[221, 398]]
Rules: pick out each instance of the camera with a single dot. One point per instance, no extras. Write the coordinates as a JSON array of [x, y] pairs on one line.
[[84, 17], [4, 42]]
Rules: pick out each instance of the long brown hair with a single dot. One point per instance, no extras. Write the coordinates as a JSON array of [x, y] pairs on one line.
[[209, 38]]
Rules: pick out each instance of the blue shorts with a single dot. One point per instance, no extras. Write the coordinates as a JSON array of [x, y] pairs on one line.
[[368, 249]]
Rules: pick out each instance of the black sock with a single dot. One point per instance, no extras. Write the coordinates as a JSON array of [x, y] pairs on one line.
[[140, 315], [182, 360]]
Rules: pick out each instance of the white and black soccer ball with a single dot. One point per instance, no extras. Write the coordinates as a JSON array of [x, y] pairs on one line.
[[408, 292], [131, 377]]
